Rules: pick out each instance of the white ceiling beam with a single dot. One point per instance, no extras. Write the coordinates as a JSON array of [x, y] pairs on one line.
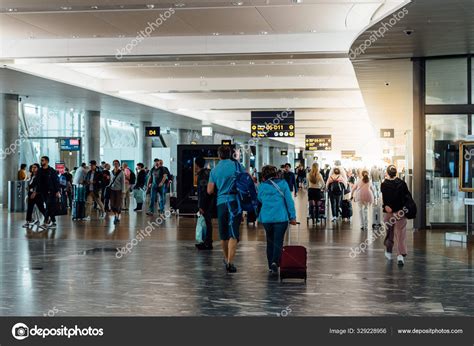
[[155, 85], [233, 44]]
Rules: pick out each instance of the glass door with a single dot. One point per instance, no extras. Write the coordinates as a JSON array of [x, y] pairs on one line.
[[444, 203]]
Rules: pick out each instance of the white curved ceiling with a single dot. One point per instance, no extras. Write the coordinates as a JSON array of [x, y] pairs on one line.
[[321, 87]]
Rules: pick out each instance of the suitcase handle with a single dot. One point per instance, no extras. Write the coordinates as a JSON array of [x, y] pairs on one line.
[[289, 232]]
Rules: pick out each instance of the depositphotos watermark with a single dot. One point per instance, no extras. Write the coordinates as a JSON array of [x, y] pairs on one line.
[[21, 331], [143, 233], [377, 233], [379, 33], [285, 312], [145, 33]]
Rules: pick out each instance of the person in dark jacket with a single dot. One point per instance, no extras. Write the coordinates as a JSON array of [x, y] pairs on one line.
[[49, 188], [93, 183], [205, 202], [394, 195], [139, 187], [290, 178], [34, 198], [106, 177]]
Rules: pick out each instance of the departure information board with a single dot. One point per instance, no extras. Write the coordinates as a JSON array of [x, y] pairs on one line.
[[272, 124], [152, 131], [318, 142]]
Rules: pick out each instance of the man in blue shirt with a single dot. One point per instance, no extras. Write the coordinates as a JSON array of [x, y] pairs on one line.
[[229, 216]]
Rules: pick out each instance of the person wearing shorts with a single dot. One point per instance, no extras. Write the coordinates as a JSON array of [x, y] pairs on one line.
[[229, 216]]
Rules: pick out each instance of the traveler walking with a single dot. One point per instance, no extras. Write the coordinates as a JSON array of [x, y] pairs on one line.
[[205, 202], [363, 194], [277, 210], [126, 193], [316, 187], [229, 215], [106, 178], [93, 182], [34, 197], [157, 183], [290, 178], [48, 184], [115, 190], [394, 195], [336, 185], [139, 187], [22, 175]]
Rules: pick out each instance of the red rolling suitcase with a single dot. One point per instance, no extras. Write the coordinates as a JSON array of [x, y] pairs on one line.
[[293, 261]]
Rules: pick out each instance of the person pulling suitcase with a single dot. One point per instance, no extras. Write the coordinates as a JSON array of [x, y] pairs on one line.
[[277, 210]]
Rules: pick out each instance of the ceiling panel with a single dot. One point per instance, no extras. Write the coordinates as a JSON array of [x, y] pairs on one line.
[[225, 21]]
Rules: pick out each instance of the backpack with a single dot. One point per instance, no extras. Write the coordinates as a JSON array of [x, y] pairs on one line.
[[244, 187], [337, 188], [133, 177]]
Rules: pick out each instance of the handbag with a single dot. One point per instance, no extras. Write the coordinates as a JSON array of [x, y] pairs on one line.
[[201, 229], [107, 189], [410, 205]]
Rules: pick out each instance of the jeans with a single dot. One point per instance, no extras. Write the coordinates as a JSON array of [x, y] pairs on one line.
[[50, 200], [38, 201], [275, 235], [155, 192], [335, 204], [364, 214]]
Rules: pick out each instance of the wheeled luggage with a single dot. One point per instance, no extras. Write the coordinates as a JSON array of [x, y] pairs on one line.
[[61, 207], [346, 207], [79, 202], [376, 216], [293, 262]]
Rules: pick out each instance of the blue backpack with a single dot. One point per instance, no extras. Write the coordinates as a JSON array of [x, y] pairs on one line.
[[246, 191]]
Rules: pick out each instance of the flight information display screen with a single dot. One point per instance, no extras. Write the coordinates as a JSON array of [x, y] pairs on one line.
[[272, 124]]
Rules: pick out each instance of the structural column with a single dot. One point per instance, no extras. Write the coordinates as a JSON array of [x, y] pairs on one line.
[[9, 154], [144, 144], [259, 157], [92, 135]]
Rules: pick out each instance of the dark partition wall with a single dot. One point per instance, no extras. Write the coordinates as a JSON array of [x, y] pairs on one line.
[[186, 179]]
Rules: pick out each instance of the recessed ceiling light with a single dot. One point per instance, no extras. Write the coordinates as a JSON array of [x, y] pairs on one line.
[[176, 64], [237, 3], [150, 6], [232, 63], [12, 10], [66, 8], [297, 1], [289, 62], [251, 63], [272, 62], [95, 7], [215, 34], [263, 32], [180, 4]]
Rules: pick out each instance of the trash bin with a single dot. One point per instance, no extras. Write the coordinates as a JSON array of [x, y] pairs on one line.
[[17, 192]]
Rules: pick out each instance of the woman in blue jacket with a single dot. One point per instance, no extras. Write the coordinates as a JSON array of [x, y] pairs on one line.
[[277, 210]]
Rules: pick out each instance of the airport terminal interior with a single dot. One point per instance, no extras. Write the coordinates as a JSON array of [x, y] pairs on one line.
[[131, 103]]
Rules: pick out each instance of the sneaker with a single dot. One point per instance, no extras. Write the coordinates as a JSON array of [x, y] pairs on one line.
[[274, 269], [28, 224], [388, 255], [102, 215], [88, 218], [200, 246], [231, 268], [52, 225], [334, 219], [44, 226], [401, 260]]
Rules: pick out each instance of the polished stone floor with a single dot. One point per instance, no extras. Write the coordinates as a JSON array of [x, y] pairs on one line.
[[74, 271]]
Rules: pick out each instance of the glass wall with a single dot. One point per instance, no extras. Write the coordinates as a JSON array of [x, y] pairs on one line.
[[444, 201], [446, 81], [448, 95]]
